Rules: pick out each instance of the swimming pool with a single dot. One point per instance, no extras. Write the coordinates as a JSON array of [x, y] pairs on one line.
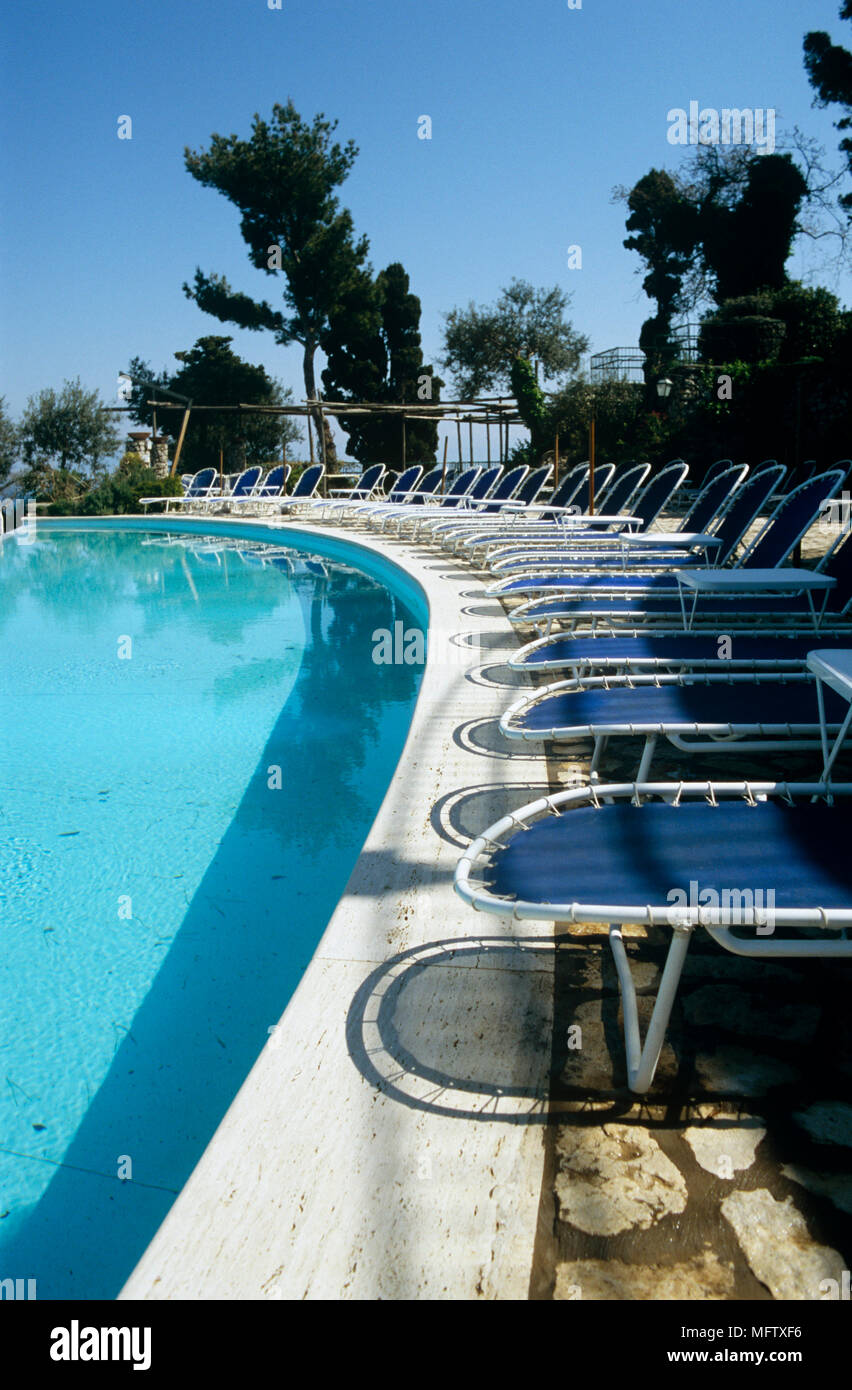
[[201, 742]]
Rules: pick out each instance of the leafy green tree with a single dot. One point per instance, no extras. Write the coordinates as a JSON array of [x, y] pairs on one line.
[[786, 325], [746, 247], [532, 406], [663, 223], [282, 180], [725, 230], [117, 493], [8, 442], [480, 345], [829, 69], [624, 427], [374, 353], [211, 373], [65, 437]]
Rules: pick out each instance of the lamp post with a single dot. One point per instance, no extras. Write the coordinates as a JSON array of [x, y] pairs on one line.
[[664, 388]]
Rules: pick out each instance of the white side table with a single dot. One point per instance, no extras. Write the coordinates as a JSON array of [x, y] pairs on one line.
[[751, 582], [834, 669]]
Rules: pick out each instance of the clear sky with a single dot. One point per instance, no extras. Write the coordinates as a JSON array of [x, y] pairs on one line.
[[538, 110]]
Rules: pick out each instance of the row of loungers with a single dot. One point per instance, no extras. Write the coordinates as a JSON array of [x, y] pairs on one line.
[[249, 490], [751, 675]]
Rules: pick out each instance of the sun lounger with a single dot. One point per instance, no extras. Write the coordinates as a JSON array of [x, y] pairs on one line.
[[267, 493], [731, 713], [478, 490], [364, 490], [200, 485], [778, 537], [669, 855], [305, 489]]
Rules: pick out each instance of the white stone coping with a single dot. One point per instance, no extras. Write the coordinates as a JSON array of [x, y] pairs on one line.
[[389, 1141]]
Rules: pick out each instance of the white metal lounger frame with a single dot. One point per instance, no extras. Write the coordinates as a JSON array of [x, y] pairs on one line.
[[642, 1058], [545, 568], [716, 619], [657, 549], [688, 736], [579, 666]]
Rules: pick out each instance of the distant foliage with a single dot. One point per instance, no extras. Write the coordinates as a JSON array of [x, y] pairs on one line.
[[116, 494], [480, 344], [283, 181], [66, 429], [212, 374], [9, 442], [374, 353], [829, 69]]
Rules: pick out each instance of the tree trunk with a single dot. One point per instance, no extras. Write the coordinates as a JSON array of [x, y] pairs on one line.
[[318, 418]]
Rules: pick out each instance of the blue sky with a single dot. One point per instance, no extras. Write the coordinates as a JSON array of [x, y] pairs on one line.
[[538, 110]]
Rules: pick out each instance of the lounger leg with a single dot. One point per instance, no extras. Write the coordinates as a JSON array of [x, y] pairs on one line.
[[647, 758], [642, 1061], [600, 748]]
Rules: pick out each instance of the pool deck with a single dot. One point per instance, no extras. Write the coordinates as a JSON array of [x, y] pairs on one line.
[[389, 1140]]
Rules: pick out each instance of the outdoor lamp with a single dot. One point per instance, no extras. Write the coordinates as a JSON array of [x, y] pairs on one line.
[[664, 388]]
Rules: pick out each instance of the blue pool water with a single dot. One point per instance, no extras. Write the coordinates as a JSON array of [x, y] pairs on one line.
[[162, 887]]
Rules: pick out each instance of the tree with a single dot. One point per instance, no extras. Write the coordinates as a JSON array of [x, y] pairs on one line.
[[374, 353], [829, 69], [282, 180], [64, 435], [8, 442], [784, 325], [746, 246], [212, 374], [480, 345], [664, 225]]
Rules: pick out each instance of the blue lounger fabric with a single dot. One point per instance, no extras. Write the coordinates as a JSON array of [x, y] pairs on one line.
[[635, 855], [566, 606], [689, 647], [746, 702]]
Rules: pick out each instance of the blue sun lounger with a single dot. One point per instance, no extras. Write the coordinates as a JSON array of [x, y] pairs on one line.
[[627, 596], [506, 490], [345, 508], [364, 490], [731, 713], [584, 540], [417, 494], [305, 490], [641, 854], [477, 490], [691, 543], [460, 488], [244, 487], [509, 513], [735, 517], [271, 490], [548, 519], [199, 486]]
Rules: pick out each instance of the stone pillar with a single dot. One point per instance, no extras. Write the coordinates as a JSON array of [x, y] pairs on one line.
[[160, 455]]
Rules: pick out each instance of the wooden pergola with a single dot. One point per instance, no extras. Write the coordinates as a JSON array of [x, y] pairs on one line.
[[500, 412]]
